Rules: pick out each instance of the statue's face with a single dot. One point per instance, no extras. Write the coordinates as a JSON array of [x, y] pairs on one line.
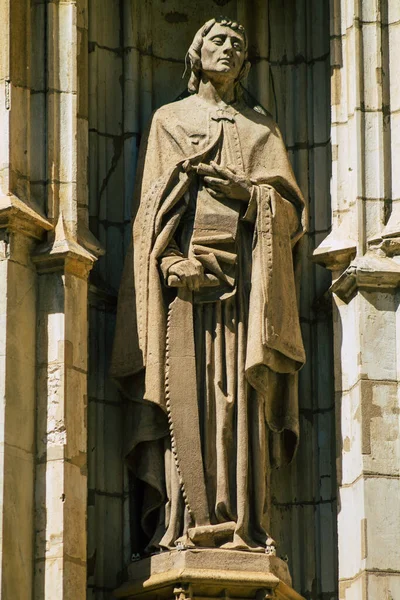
[[223, 52]]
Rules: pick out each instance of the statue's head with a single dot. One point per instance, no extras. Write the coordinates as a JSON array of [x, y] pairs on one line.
[[219, 48]]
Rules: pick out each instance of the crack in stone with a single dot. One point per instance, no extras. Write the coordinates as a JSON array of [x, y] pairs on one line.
[[112, 135], [118, 141]]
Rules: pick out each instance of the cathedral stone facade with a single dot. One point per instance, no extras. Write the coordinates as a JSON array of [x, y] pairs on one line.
[[79, 81]]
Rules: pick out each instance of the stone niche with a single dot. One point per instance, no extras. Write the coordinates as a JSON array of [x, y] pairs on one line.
[[135, 63]]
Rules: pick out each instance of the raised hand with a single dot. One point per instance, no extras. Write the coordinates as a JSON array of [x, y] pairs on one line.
[[190, 273], [225, 182]]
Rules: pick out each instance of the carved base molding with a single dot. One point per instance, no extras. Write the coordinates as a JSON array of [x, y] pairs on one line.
[[208, 574]]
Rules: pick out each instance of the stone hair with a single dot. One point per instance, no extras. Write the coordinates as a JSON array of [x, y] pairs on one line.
[[194, 52]]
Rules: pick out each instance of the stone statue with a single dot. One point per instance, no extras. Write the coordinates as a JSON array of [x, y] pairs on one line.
[[208, 340]]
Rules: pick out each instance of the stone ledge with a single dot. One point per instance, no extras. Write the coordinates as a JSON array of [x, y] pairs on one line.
[[333, 253], [19, 216], [367, 272], [208, 574]]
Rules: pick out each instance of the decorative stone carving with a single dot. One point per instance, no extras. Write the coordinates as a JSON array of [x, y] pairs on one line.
[[208, 340], [370, 272], [22, 217], [183, 592]]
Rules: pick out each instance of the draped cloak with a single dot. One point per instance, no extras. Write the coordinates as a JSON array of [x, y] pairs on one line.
[[180, 136]]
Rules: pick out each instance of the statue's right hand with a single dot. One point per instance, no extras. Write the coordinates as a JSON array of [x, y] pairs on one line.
[[190, 273]]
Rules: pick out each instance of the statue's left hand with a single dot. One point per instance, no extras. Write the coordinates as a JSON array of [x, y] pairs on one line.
[[229, 182]]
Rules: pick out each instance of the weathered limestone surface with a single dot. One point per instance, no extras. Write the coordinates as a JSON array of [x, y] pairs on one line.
[[22, 225], [44, 269], [366, 297], [63, 263], [61, 470], [17, 417], [128, 43], [368, 447]]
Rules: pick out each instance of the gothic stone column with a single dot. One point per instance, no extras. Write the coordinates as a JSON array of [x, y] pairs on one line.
[[46, 253], [363, 253], [63, 263], [61, 435], [17, 406], [22, 226]]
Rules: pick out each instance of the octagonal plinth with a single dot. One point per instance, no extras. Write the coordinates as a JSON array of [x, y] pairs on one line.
[[208, 574]]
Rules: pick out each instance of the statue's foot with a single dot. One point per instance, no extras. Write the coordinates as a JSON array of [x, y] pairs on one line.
[[183, 543]]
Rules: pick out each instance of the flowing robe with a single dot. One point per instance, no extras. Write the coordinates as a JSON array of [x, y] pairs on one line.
[[219, 396]]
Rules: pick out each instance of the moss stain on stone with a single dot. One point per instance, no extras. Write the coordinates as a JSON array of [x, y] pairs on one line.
[[176, 17]]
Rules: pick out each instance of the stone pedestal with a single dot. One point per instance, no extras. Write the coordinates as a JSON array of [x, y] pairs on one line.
[[207, 573]]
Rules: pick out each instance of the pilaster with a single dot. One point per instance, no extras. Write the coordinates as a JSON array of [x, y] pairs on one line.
[[22, 225], [46, 253], [362, 251], [61, 434], [18, 295], [63, 263]]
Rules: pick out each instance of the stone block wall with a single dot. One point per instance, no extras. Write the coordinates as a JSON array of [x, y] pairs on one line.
[[304, 495], [136, 61], [363, 253], [109, 218]]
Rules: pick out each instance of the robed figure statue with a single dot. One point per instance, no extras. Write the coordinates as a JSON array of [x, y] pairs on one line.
[[208, 340]]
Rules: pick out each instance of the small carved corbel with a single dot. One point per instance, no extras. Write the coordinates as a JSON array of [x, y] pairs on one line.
[[183, 592]]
